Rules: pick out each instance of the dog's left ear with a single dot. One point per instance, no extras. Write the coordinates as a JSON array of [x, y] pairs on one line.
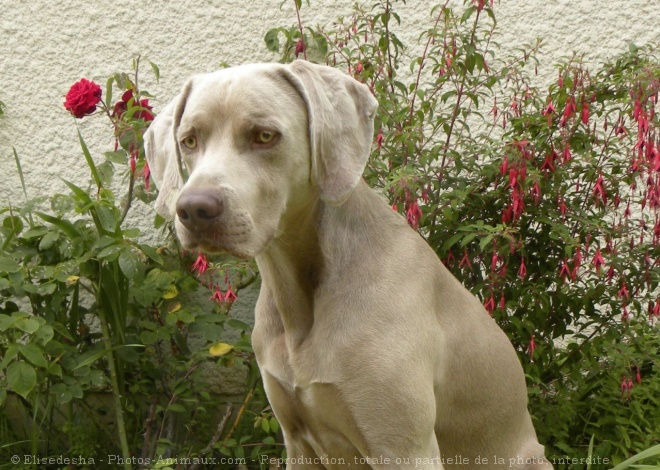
[[341, 126], [161, 151]]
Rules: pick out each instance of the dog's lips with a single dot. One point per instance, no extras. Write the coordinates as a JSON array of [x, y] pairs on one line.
[[231, 242]]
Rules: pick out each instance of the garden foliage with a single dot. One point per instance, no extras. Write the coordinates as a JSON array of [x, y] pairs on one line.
[[542, 198]]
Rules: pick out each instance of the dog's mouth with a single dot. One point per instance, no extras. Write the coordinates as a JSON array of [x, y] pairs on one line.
[[234, 241]]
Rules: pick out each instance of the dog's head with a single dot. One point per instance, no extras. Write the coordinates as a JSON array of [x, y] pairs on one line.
[[242, 151]]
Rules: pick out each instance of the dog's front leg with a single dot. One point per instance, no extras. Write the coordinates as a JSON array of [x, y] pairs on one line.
[[300, 455]]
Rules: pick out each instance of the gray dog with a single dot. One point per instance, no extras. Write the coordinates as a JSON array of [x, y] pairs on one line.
[[371, 352]]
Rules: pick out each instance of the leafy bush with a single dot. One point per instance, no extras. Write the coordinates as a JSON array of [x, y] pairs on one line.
[[543, 201], [89, 309]]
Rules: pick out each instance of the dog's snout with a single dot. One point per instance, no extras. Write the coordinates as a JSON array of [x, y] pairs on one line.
[[198, 209]]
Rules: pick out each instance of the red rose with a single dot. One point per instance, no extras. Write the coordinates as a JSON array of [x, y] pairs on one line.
[[82, 98], [122, 105]]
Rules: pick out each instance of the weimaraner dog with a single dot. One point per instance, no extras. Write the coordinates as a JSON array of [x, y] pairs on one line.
[[372, 354]]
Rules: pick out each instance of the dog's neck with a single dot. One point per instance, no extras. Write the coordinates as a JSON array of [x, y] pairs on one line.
[[320, 243], [290, 268]]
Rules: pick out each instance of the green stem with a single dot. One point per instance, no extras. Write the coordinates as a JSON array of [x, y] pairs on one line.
[[121, 426]]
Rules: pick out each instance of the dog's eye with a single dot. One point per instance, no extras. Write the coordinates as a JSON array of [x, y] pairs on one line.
[[190, 142], [265, 137]]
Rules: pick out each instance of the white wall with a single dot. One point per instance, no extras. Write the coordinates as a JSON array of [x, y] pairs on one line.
[[46, 45]]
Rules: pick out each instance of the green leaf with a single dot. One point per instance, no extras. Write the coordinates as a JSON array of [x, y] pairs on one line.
[[48, 240], [35, 232], [80, 194], [20, 171], [272, 40], [34, 354], [90, 161], [108, 91], [64, 225], [106, 171], [265, 425], [176, 408], [26, 324], [238, 324], [110, 253], [155, 70], [132, 232], [129, 263], [148, 337], [10, 354], [91, 357], [13, 223], [8, 265], [274, 425], [151, 253], [107, 218], [21, 377], [118, 157], [651, 452], [451, 241]]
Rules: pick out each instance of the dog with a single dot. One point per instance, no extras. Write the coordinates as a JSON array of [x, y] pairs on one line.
[[372, 353]]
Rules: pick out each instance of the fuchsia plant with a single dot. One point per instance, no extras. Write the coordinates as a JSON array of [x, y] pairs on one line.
[[544, 201]]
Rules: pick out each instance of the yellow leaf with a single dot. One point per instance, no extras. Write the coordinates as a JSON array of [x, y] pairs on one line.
[[72, 280], [171, 292], [175, 307], [220, 349]]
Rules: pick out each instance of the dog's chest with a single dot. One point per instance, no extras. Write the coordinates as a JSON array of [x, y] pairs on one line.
[[315, 416]]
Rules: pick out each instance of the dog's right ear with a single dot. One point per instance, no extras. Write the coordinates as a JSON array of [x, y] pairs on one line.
[[162, 152]]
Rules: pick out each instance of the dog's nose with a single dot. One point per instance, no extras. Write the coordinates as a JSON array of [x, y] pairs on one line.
[[198, 209]]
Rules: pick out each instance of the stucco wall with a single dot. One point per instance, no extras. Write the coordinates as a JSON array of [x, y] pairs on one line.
[[46, 45]]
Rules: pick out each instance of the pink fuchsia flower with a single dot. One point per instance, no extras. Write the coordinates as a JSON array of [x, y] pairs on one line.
[[379, 139], [490, 304], [132, 162], [531, 347], [625, 317], [465, 261], [504, 167], [201, 264], [549, 111], [623, 292], [493, 262], [599, 190], [147, 175], [517, 203], [638, 376], [566, 154], [413, 214], [536, 192], [522, 271], [217, 296], [598, 261], [569, 111], [585, 111], [450, 260], [230, 296], [565, 271], [82, 98]]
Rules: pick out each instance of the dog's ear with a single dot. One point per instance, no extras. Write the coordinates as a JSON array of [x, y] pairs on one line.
[[162, 152], [341, 125]]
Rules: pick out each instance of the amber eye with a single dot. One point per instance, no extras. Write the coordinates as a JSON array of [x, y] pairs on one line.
[[265, 137], [190, 142]]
